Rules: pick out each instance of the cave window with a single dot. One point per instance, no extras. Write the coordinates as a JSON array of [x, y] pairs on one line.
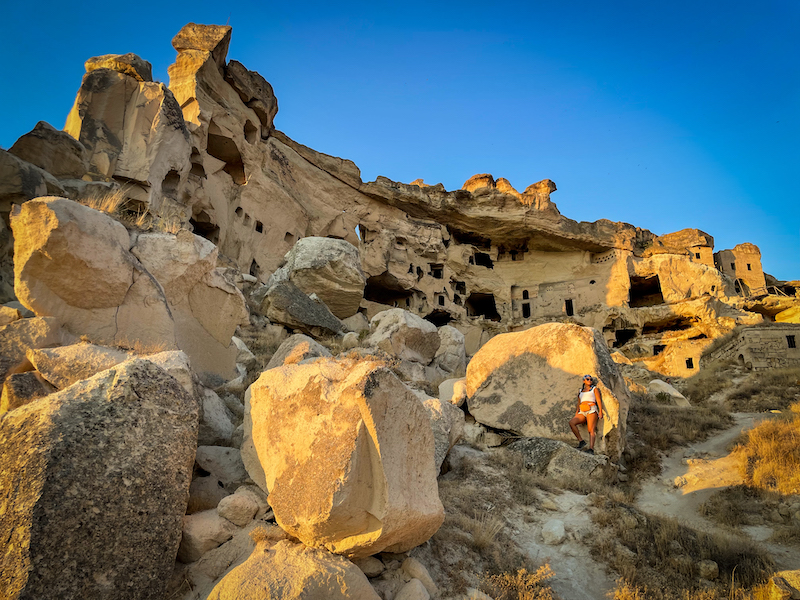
[[514, 255], [737, 287], [483, 260], [239, 212], [246, 219], [410, 269], [289, 238], [254, 268], [472, 260], [401, 242], [408, 301], [224, 148], [197, 164], [689, 363], [169, 187], [713, 287], [441, 300], [259, 227], [439, 317], [461, 287], [697, 255], [482, 305], [203, 226], [525, 295], [437, 271], [361, 232], [250, 132], [645, 291], [385, 289], [419, 273], [733, 266], [623, 336], [526, 310], [457, 300], [748, 267], [791, 341], [568, 307], [658, 349], [592, 282]]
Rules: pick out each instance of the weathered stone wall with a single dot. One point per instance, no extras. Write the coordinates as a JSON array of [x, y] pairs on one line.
[[743, 262], [767, 347]]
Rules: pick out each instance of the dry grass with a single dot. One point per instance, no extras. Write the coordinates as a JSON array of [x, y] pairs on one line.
[[657, 557], [766, 390], [770, 454], [107, 201], [654, 428], [712, 377], [117, 204], [521, 585]]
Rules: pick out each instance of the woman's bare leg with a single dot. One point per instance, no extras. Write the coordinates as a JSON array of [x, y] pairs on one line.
[[591, 424], [573, 424]]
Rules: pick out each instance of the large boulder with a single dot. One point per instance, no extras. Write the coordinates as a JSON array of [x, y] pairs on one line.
[[255, 92], [561, 462], [658, 386], [283, 302], [127, 64], [404, 335], [55, 151], [451, 357], [329, 268], [447, 423], [347, 454], [528, 382], [292, 571], [79, 482], [21, 181], [74, 263]]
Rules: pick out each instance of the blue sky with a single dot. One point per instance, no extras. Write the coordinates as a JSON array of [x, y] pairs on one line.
[[664, 115]]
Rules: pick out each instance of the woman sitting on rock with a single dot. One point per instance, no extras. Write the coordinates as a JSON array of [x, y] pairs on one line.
[[589, 411]]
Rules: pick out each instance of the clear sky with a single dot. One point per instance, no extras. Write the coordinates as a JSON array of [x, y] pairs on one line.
[[664, 115]]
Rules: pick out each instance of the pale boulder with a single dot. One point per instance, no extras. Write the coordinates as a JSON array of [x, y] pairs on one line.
[[77, 457], [294, 572], [176, 363], [216, 422], [357, 323], [528, 382], [405, 335], [451, 357], [65, 365], [239, 509], [205, 493], [295, 349], [243, 355], [329, 268], [283, 302], [790, 315], [21, 388], [453, 391], [658, 386], [413, 590], [355, 444], [223, 463], [203, 531], [553, 532], [447, 423], [8, 315], [414, 569]]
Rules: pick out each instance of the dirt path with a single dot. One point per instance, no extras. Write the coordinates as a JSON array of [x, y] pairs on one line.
[[691, 475]]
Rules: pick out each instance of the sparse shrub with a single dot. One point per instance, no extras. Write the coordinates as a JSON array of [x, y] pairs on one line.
[[484, 529], [107, 201], [710, 379], [521, 585], [766, 390]]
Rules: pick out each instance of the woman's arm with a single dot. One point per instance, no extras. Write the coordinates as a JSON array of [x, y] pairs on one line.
[[599, 397]]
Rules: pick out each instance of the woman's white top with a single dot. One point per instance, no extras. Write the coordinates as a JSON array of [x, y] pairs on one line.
[[589, 396]]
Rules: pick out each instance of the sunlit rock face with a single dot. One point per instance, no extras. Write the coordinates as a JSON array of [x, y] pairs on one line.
[[347, 453], [528, 382]]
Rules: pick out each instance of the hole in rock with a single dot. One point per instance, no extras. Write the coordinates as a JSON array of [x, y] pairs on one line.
[[568, 307], [205, 227], [439, 317], [259, 227], [623, 336], [482, 305], [250, 132], [673, 324], [645, 291], [385, 289], [483, 260], [224, 148], [288, 238], [526, 310], [169, 187]]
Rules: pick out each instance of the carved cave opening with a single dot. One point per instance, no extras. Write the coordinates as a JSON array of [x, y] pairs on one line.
[[204, 227], [439, 317], [386, 289], [250, 132], [169, 187], [645, 291], [197, 164], [482, 305], [472, 239], [224, 148], [674, 324], [623, 336], [483, 260]]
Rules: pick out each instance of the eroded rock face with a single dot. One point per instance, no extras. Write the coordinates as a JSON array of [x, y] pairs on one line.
[[293, 572], [528, 382], [329, 268], [297, 348], [76, 471], [55, 151], [348, 456], [127, 64], [283, 302]]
